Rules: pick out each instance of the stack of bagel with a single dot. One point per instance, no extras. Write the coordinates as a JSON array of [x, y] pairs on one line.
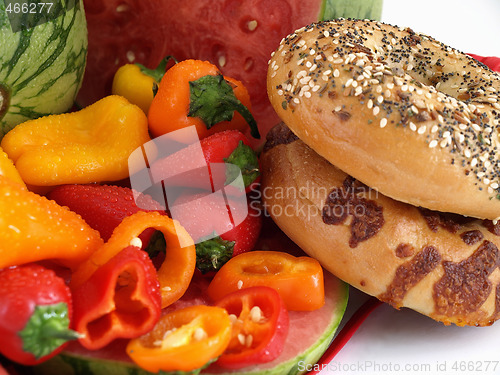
[[386, 168]]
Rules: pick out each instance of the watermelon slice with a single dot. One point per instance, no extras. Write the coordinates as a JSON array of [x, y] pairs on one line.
[[309, 336], [238, 36]]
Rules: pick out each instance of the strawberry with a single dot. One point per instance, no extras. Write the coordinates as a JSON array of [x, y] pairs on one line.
[[103, 207]]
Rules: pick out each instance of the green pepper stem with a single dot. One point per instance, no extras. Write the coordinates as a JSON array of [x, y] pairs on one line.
[[55, 330], [246, 114], [212, 99], [47, 329], [158, 72]]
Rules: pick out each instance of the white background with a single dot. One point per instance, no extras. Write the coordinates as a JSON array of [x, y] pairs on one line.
[[471, 26], [404, 342]]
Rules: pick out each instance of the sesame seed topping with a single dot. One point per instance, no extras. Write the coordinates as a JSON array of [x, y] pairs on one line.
[[398, 76]]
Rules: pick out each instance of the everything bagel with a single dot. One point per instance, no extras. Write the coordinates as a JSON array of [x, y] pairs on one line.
[[444, 266], [404, 114]]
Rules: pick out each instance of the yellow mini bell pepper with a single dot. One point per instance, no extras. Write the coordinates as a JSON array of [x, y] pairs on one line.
[[138, 84], [34, 228], [8, 169], [91, 145]]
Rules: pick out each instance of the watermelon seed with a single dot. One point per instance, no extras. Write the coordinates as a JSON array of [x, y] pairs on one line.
[[222, 61], [130, 56], [252, 25], [122, 8], [248, 64]]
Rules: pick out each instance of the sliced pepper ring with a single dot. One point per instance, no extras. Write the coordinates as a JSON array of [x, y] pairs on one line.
[[183, 340], [260, 326], [177, 269], [298, 280]]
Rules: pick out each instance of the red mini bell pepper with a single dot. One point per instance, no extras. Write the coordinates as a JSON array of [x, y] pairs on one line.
[[259, 326], [35, 314], [120, 300]]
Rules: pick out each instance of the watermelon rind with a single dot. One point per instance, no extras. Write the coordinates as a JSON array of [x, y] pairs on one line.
[[69, 363], [361, 9], [305, 360], [41, 67]]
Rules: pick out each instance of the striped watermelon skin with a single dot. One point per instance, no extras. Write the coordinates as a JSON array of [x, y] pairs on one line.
[[41, 68]]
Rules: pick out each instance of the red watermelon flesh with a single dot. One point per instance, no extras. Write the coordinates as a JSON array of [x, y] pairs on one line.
[[238, 36]]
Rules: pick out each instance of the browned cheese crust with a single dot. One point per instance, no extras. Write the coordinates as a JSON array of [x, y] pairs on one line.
[[444, 266], [405, 114]]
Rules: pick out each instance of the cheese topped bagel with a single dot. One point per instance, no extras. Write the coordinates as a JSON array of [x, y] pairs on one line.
[[442, 265], [397, 110]]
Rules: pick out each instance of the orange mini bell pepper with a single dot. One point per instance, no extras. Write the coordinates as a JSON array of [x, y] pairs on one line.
[[298, 280], [8, 169], [176, 270], [195, 93], [33, 228], [183, 340], [90, 145]]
